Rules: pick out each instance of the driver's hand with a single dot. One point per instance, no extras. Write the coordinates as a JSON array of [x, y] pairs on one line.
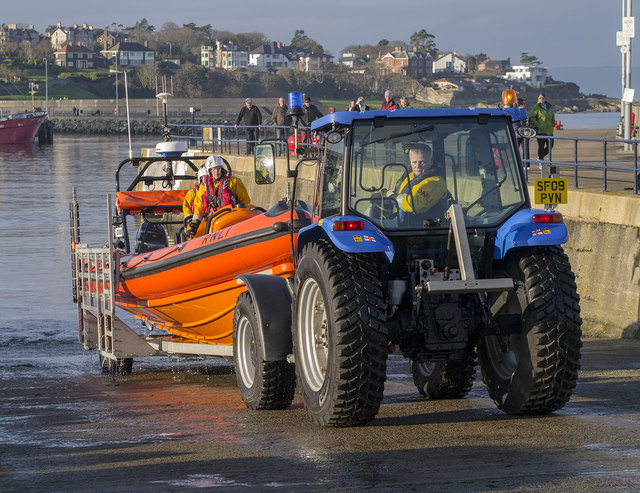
[[383, 204], [193, 228]]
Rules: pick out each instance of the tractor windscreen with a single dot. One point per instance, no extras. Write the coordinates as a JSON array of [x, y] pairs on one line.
[[405, 173]]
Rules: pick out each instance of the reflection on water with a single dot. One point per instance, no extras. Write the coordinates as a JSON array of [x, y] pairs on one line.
[[36, 308], [35, 189]]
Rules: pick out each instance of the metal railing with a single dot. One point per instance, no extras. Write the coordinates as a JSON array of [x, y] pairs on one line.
[[589, 161], [231, 139]]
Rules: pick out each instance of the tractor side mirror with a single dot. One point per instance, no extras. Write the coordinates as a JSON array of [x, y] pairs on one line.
[[264, 164]]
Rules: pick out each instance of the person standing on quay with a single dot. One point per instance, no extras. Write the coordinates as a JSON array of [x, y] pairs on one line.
[[251, 117], [281, 119], [389, 103], [404, 104], [542, 119], [310, 112]]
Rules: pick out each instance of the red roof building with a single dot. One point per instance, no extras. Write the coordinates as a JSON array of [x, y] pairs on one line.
[[74, 56]]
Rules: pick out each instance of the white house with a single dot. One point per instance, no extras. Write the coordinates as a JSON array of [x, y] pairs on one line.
[[352, 61], [229, 57], [451, 63], [207, 56], [271, 58], [129, 54], [77, 35], [313, 62], [536, 76]]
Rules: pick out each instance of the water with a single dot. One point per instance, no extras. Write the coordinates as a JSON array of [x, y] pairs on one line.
[[580, 121], [38, 324]]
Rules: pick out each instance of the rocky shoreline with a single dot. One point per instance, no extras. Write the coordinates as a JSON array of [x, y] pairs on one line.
[[105, 126]]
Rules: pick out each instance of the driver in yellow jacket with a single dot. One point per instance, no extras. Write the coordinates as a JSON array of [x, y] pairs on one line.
[[423, 189]]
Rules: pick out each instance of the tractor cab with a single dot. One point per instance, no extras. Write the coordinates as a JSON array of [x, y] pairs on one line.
[[402, 170]]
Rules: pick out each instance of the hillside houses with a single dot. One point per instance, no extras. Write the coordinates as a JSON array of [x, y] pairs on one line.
[[410, 63], [450, 62], [76, 35], [74, 56], [13, 33], [265, 58], [79, 46], [271, 58], [111, 38], [536, 76], [129, 55]]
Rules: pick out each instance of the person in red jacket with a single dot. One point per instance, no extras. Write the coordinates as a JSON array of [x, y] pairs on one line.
[[389, 103]]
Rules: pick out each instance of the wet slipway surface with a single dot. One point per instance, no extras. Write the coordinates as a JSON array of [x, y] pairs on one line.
[[180, 424], [177, 425]]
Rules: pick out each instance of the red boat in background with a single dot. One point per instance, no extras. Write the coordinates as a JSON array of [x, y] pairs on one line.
[[20, 128]]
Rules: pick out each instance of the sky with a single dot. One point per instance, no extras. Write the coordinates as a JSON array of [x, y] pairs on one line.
[[562, 34]]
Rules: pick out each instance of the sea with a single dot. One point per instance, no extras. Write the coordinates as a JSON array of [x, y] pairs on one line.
[[38, 324]]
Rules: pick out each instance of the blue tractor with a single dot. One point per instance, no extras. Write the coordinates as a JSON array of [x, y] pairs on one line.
[[423, 242]]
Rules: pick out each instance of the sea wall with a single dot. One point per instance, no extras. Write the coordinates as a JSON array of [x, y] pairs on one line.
[[106, 126], [603, 247]]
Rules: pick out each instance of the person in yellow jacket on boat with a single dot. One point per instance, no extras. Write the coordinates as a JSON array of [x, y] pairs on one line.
[[423, 188], [190, 197], [219, 189]]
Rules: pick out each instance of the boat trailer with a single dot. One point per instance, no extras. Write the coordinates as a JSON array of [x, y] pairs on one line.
[[95, 273]]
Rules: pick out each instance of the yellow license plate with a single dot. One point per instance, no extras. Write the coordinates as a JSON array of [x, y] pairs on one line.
[[550, 190]]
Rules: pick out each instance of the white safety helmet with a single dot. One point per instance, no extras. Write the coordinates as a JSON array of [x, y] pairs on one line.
[[214, 161], [202, 172]]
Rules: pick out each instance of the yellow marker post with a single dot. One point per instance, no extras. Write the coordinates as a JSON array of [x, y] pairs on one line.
[[550, 191]]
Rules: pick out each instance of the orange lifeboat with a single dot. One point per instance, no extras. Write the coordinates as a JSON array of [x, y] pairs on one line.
[[189, 288]]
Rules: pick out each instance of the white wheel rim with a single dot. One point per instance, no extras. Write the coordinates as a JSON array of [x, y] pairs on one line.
[[313, 334], [245, 343]]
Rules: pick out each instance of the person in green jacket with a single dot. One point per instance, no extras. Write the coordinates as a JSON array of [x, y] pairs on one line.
[[541, 118]]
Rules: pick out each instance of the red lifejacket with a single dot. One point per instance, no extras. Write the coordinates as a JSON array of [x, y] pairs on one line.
[[218, 194]]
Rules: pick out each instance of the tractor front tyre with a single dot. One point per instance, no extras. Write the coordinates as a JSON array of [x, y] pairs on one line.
[[339, 335], [445, 379], [532, 368], [263, 384]]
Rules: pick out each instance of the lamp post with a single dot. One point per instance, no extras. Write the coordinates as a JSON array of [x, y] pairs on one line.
[[46, 84], [117, 108]]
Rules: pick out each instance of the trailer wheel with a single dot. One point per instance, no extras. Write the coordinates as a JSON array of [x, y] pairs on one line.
[[534, 368], [120, 366], [445, 379], [263, 384], [339, 337]]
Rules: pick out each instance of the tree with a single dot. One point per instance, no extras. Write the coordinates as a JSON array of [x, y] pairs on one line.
[[142, 30], [529, 60], [383, 42], [424, 42], [192, 80], [303, 42], [179, 40], [206, 31], [143, 26], [250, 41], [147, 75]]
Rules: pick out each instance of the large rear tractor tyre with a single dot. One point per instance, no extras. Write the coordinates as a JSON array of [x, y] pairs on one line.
[[534, 369], [340, 341], [445, 379], [263, 384], [120, 366]]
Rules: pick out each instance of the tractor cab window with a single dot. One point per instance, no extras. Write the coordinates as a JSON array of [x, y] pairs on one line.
[[405, 173], [329, 195]]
